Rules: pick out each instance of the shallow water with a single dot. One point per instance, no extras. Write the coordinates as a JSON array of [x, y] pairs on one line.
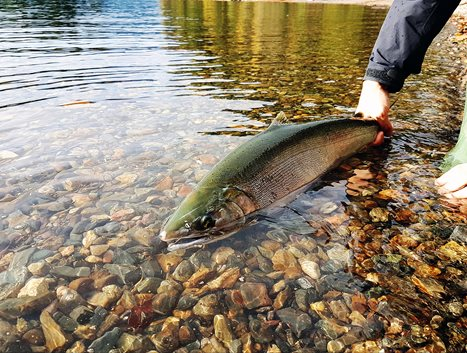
[[110, 112]]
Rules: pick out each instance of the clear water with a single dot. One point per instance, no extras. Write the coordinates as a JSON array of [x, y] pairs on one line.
[[101, 100]]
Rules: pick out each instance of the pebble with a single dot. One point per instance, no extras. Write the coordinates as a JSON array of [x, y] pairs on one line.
[[255, 295], [128, 343], [310, 268], [297, 320], [207, 307], [39, 269], [55, 338], [35, 287], [105, 343], [222, 329], [71, 272]]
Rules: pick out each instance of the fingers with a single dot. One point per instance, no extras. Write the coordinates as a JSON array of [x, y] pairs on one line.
[[453, 184], [374, 105], [379, 139], [460, 194]]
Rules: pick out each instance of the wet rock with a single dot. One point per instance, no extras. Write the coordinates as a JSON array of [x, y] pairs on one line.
[[108, 341], [65, 322], [109, 295], [207, 307], [221, 255], [335, 346], [12, 308], [98, 250], [68, 299], [122, 257], [281, 298], [339, 253], [54, 337], [99, 316], [331, 329], [183, 271], [379, 215], [429, 286], [201, 276], [70, 272], [81, 314], [34, 337], [297, 320], [143, 236], [148, 285], [283, 260], [130, 343], [261, 331], [164, 184], [310, 268], [225, 280], [39, 269], [366, 347], [163, 303], [8, 336], [255, 295], [453, 251], [343, 282], [459, 234], [222, 329], [169, 261], [128, 274], [339, 310], [201, 258], [35, 287]]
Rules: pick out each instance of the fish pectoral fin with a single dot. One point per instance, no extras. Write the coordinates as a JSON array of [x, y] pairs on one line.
[[280, 119]]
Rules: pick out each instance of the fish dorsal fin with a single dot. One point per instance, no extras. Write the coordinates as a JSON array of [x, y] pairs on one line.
[[280, 119]]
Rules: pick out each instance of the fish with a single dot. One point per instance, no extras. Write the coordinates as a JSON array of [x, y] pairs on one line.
[[260, 172]]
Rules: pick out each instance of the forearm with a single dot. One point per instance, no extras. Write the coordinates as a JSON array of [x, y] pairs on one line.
[[407, 32]]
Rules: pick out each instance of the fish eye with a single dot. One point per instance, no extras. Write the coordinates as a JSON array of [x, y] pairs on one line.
[[204, 222]]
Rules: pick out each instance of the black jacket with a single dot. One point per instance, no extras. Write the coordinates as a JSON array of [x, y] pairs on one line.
[[407, 32]]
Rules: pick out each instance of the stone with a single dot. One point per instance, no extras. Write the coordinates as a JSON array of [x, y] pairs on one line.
[[163, 303], [77, 347], [225, 280], [12, 308], [221, 254], [81, 314], [148, 285], [54, 337], [201, 276], [335, 346], [68, 299], [169, 261], [207, 307], [108, 341], [130, 343], [127, 178], [89, 238], [310, 268], [8, 336], [35, 287], [378, 214], [340, 254], [125, 214], [222, 329], [283, 259], [70, 272], [331, 329], [255, 295], [98, 250], [39, 269], [183, 271], [128, 274], [143, 236], [297, 320], [109, 295], [34, 337], [165, 184]]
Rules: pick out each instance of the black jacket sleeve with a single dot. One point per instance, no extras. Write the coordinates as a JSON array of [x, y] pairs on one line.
[[407, 32]]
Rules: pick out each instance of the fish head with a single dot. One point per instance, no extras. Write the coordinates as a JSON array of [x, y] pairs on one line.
[[206, 215]]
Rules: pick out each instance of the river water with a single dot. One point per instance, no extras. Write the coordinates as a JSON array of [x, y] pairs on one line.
[[112, 111]]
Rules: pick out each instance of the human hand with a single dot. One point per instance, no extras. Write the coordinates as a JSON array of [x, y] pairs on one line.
[[453, 183], [374, 105]]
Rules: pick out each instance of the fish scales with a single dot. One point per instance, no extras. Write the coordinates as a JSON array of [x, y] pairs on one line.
[[261, 171], [295, 165]]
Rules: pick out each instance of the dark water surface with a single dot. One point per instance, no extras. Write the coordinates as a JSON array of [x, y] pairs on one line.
[[111, 111]]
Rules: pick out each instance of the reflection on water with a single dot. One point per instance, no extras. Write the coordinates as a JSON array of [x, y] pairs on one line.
[[112, 111]]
